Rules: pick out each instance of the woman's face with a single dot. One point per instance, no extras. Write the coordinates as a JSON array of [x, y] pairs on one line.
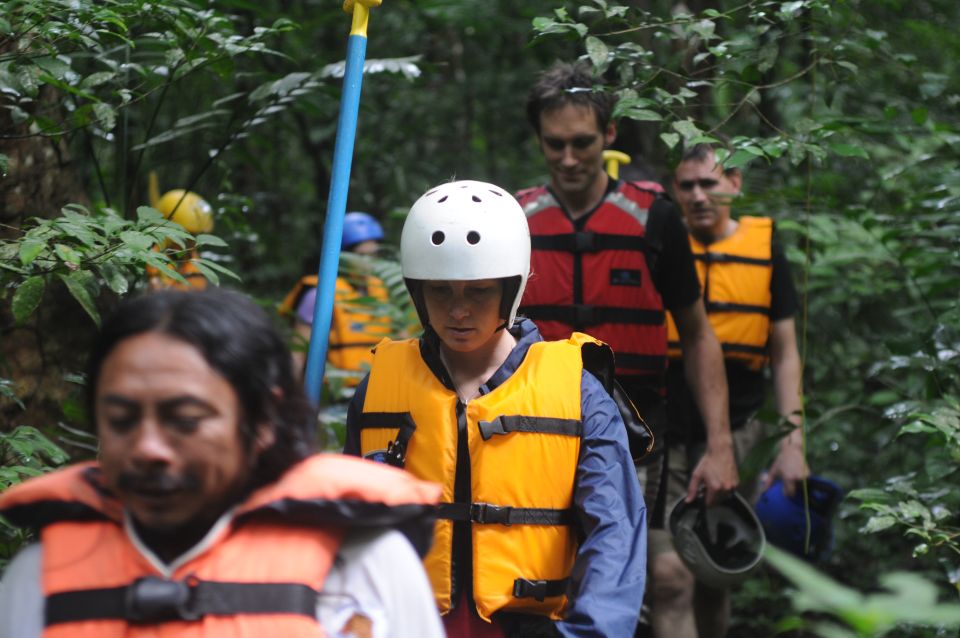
[[465, 314]]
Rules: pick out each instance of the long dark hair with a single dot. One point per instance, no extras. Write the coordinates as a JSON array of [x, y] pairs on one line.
[[238, 340]]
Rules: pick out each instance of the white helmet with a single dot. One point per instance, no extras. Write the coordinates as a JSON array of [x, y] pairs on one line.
[[463, 231], [721, 544]]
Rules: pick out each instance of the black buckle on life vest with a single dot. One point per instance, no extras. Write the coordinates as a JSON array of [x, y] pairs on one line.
[[396, 454], [151, 599], [583, 316], [489, 513], [584, 242], [539, 589]]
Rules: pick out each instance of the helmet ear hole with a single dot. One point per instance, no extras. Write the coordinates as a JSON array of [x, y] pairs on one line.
[[437, 238], [473, 238]]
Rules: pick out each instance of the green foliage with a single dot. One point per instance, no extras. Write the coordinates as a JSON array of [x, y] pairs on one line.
[[906, 599], [91, 251], [924, 503]]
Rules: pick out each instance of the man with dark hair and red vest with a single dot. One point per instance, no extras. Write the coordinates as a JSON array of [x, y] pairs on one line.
[[609, 257], [206, 514], [750, 300]]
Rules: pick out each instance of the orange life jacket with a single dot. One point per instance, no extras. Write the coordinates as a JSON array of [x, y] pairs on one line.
[[735, 275], [260, 577], [522, 530], [597, 280]]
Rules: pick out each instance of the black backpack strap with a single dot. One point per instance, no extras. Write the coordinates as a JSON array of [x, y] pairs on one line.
[[661, 207], [598, 360], [153, 600]]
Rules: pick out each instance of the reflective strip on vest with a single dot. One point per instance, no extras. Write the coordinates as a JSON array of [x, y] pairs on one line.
[[735, 274], [523, 449], [597, 279]]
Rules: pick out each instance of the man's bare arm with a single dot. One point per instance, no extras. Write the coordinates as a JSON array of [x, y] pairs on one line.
[[703, 366], [790, 463]]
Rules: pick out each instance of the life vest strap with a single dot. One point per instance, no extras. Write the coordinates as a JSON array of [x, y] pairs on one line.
[[152, 600], [726, 258], [587, 242], [539, 589], [582, 315], [743, 348], [539, 425], [718, 306], [396, 454], [648, 363], [736, 348], [354, 344], [488, 513]]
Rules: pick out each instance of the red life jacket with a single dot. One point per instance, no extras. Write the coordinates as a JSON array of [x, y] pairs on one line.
[[597, 280], [260, 577]]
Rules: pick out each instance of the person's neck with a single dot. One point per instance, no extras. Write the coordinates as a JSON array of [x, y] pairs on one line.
[[727, 228], [580, 203], [470, 370], [170, 544]]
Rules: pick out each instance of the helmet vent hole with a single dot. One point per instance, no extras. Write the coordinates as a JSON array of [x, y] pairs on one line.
[[497, 194], [476, 199], [473, 237], [438, 236], [442, 199]]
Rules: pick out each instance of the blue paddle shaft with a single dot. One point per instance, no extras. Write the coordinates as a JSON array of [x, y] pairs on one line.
[[336, 209]]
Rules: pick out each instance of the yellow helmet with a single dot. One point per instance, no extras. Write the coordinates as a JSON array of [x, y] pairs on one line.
[[183, 207]]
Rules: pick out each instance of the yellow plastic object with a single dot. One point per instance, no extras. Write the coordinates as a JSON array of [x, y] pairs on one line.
[[613, 160], [361, 14], [184, 207], [187, 209]]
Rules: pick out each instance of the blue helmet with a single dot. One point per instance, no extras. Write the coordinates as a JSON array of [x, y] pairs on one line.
[[785, 522], [360, 227]]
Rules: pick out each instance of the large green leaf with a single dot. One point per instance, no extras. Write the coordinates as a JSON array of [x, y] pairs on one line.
[[27, 297], [82, 286]]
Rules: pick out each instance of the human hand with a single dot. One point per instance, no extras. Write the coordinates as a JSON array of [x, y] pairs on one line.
[[790, 466], [715, 474]]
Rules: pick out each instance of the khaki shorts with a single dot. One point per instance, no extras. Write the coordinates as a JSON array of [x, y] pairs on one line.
[[680, 463]]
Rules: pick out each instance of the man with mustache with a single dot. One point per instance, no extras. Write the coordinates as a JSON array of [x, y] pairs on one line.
[[750, 301], [609, 256], [206, 512]]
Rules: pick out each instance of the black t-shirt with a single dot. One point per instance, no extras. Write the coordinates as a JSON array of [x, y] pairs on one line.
[[747, 388]]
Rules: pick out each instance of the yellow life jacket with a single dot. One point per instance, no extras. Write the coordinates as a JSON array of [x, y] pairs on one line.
[[260, 577], [735, 274], [523, 441], [353, 329]]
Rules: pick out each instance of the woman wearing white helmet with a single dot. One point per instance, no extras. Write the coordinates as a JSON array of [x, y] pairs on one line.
[[542, 526]]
